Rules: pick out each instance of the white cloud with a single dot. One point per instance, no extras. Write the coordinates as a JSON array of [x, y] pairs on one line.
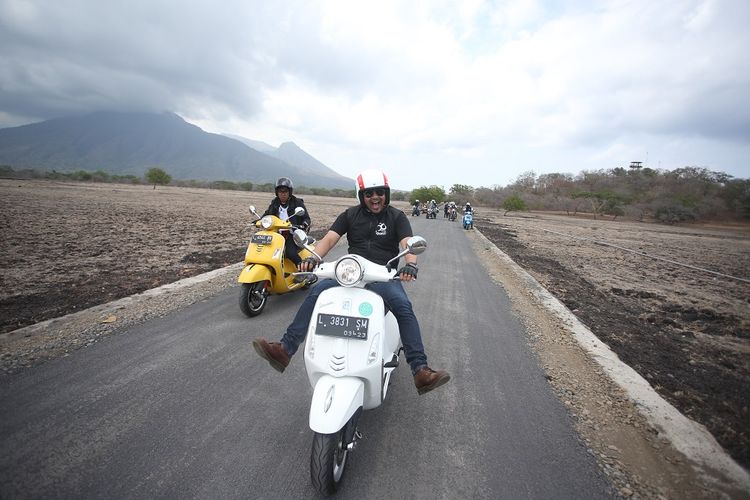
[[432, 85]]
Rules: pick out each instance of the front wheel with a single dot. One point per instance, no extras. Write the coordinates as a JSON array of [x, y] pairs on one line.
[[327, 461], [253, 298]]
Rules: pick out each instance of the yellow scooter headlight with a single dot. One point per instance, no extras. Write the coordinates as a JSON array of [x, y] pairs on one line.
[[266, 222]]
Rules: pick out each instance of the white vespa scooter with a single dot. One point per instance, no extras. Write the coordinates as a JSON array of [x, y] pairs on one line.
[[351, 350]]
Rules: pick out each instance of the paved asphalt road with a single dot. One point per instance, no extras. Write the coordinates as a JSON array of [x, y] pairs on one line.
[[182, 407]]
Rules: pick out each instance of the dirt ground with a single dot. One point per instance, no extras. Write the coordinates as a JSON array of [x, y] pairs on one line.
[[685, 330], [69, 246]]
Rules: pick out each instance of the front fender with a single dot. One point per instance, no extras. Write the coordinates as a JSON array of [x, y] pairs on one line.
[[334, 402], [253, 273]]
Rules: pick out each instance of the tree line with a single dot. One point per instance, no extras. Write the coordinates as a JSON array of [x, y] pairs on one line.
[[680, 195], [157, 176], [636, 192]]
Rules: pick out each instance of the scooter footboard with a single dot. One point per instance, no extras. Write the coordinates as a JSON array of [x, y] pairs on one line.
[[334, 401]]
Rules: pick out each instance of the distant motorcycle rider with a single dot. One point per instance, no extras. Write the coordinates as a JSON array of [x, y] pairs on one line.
[[415, 208], [431, 209], [467, 208], [451, 210], [283, 207]]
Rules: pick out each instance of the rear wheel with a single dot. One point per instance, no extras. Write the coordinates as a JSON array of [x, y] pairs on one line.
[[253, 298], [327, 461]]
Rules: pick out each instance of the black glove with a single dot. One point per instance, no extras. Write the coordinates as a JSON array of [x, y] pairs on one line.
[[308, 263], [410, 269]]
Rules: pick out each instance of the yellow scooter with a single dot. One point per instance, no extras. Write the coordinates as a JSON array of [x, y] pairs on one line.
[[267, 270]]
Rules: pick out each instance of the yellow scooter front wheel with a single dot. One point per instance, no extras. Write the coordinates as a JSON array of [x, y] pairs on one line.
[[253, 297]]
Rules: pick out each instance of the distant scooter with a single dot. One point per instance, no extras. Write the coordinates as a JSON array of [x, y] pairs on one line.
[[468, 220]]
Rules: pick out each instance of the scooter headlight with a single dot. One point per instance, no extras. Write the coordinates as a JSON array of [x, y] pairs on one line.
[[266, 222], [348, 271]]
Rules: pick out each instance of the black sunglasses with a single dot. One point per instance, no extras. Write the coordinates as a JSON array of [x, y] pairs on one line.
[[370, 192]]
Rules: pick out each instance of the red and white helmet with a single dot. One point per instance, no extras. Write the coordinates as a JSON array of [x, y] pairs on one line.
[[371, 179]]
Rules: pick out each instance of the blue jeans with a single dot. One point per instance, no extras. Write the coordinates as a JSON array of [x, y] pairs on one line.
[[395, 298]]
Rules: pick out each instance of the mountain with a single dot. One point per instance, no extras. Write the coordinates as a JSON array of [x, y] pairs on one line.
[[131, 143], [290, 153], [256, 145], [295, 156]]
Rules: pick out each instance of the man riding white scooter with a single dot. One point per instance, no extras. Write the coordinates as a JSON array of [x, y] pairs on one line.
[[376, 231]]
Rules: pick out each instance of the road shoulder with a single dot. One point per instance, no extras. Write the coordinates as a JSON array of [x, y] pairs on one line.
[[58, 337]]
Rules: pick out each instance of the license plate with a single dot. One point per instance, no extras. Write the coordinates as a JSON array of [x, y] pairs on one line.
[[348, 327], [261, 239]]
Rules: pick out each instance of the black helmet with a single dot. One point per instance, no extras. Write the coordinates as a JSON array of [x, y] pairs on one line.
[[284, 182]]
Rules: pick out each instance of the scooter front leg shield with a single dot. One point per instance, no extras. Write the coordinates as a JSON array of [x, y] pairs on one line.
[[334, 401], [253, 273]]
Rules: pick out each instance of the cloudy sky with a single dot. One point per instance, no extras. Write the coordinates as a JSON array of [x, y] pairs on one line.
[[431, 91]]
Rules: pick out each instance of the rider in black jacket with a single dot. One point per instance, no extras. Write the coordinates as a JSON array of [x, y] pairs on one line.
[[283, 207]]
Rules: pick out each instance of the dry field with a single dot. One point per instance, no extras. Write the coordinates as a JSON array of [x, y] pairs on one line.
[[69, 246], [683, 328]]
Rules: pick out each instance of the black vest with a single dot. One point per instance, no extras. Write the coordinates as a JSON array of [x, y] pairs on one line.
[[375, 237]]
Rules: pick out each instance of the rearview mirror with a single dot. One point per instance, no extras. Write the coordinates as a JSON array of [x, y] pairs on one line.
[[299, 237], [416, 245]]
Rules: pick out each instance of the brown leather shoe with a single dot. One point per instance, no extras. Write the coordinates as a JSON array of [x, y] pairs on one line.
[[427, 379], [273, 352]]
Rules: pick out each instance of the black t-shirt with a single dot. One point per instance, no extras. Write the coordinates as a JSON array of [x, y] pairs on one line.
[[373, 236]]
